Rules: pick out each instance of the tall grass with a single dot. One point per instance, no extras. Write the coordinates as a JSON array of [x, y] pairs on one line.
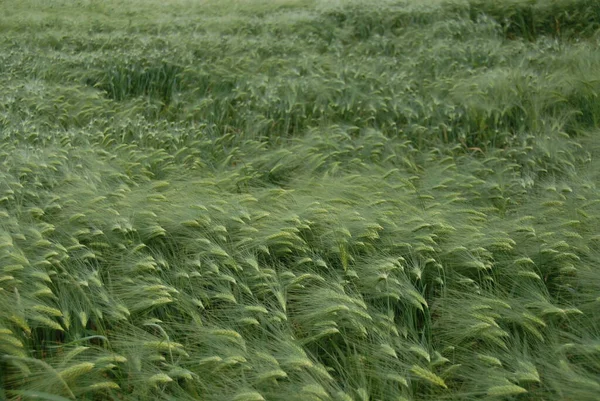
[[299, 200]]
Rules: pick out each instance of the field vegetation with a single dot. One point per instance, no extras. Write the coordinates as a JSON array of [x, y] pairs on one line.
[[296, 200]]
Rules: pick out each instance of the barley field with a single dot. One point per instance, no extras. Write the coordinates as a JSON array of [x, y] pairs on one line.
[[300, 200]]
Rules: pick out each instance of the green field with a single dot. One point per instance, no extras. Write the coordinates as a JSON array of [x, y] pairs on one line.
[[300, 200]]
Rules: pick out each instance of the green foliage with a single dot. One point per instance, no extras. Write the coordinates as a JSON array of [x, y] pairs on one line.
[[126, 81], [534, 18], [298, 200]]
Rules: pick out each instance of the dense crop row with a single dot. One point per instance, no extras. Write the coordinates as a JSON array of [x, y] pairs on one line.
[[296, 200]]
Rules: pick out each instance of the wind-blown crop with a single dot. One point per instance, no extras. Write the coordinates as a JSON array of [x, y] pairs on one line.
[[296, 200]]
